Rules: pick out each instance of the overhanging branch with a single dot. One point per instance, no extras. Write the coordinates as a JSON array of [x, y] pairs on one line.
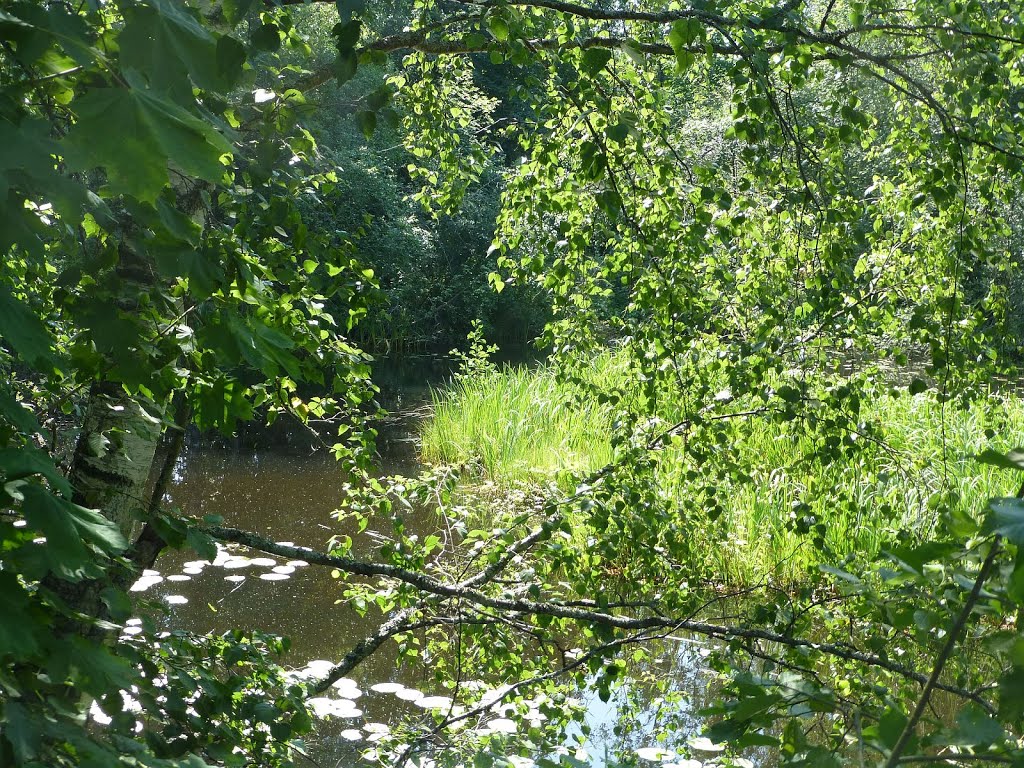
[[433, 586]]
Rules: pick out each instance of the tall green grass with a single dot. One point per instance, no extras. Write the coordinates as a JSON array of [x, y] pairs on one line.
[[516, 425], [521, 426]]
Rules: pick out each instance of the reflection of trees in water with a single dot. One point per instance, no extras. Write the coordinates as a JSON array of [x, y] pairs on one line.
[[656, 704]]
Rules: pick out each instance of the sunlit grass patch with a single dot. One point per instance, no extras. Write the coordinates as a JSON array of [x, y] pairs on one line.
[[797, 505]]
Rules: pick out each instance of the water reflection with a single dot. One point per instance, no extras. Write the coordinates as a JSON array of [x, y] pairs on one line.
[[283, 490], [288, 497]]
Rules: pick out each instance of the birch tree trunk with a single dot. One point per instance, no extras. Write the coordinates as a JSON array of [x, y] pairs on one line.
[[114, 456]]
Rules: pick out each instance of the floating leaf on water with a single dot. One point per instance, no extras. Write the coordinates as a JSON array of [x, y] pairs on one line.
[[409, 694], [150, 572], [133, 622], [176, 599], [130, 631], [274, 576], [351, 734], [264, 562], [200, 564], [236, 562], [387, 687], [283, 569], [376, 728], [236, 577], [192, 571], [286, 543], [179, 577], [297, 563]]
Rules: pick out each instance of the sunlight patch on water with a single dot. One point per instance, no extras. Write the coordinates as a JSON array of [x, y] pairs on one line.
[[145, 583], [342, 708]]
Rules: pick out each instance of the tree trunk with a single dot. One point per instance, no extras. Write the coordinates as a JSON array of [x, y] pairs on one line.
[[114, 456]]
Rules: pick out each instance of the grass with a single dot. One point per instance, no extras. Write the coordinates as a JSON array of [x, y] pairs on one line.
[[517, 425], [742, 506]]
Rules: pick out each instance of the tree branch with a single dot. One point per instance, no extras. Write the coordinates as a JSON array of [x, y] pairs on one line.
[[434, 586]]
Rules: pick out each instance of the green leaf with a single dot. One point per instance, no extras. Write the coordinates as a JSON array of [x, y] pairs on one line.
[[346, 35], [152, 131], [348, 8], [917, 386], [683, 35], [367, 122], [265, 37], [345, 65], [236, 10], [68, 529], [914, 557], [17, 414], [230, 57], [19, 630], [22, 329], [1011, 460], [202, 544], [595, 59], [635, 54], [20, 731], [976, 727], [19, 463], [379, 98], [1006, 517], [890, 726], [499, 28], [164, 42], [117, 602]]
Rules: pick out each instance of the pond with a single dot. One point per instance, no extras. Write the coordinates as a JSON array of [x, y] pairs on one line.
[[285, 491]]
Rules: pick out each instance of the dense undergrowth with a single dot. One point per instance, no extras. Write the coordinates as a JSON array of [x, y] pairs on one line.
[[795, 507]]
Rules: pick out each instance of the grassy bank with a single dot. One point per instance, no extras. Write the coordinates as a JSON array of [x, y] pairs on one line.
[[516, 425], [522, 426]]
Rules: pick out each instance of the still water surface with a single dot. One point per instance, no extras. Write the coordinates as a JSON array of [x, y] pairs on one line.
[[287, 492]]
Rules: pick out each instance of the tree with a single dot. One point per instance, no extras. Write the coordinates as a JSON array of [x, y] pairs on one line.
[[162, 273]]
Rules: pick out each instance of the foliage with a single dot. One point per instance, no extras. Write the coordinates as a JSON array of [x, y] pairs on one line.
[[154, 252], [736, 191], [431, 265]]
